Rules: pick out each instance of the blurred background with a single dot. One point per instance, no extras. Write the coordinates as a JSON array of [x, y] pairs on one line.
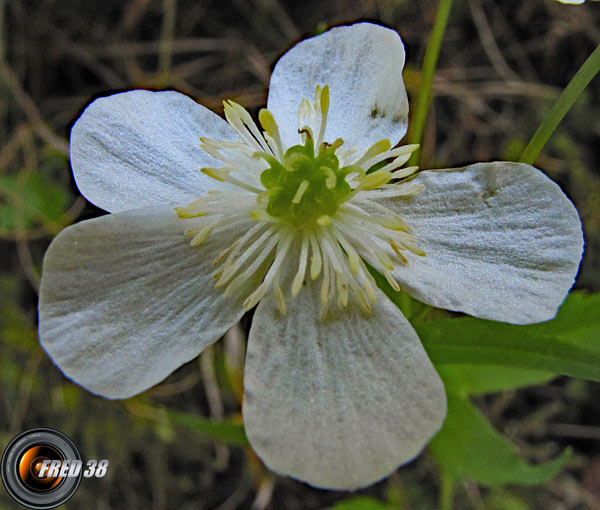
[[502, 64]]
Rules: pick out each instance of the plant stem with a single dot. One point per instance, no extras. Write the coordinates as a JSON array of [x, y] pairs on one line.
[[429, 65], [447, 493], [566, 100]]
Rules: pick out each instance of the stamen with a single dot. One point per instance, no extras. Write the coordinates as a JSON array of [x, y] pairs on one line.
[[325, 289], [223, 174], [306, 109], [391, 280], [251, 270], [202, 235], [272, 273], [396, 163], [404, 172], [267, 121], [219, 174], [375, 180], [240, 120], [193, 210], [280, 299], [353, 258], [316, 262], [393, 190], [342, 288], [299, 278], [230, 272], [317, 199], [396, 249], [393, 153], [324, 109], [376, 148]]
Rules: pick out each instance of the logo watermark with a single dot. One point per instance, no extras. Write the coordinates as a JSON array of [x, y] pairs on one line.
[[41, 468]]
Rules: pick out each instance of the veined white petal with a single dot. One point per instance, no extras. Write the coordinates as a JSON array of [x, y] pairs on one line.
[[125, 299], [502, 242], [362, 64], [339, 403], [141, 148]]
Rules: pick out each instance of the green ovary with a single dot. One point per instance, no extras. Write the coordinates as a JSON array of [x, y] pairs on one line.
[[305, 187]]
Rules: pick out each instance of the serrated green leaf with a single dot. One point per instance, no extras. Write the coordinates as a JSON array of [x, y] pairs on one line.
[[469, 447], [568, 345]]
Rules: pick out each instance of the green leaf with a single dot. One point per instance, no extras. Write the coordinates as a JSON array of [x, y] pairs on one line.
[[361, 503], [432, 52], [568, 345], [577, 321], [573, 90], [229, 431], [469, 447], [482, 379], [29, 198]]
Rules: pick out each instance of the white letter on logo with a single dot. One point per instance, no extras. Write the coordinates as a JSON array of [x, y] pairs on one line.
[[64, 468], [89, 472], [102, 467], [44, 468], [75, 468], [54, 467]]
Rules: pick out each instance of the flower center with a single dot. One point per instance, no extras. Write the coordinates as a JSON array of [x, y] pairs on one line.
[[306, 188], [314, 203]]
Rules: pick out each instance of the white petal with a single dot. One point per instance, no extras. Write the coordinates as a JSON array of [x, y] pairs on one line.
[[339, 404], [142, 148], [125, 300], [502, 242], [362, 64]]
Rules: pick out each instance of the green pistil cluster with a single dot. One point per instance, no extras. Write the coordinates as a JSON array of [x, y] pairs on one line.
[[305, 188]]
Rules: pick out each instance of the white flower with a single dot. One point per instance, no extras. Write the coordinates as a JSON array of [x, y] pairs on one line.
[[338, 389], [574, 1]]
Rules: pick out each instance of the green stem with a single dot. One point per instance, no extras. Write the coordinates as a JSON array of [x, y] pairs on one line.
[[573, 90], [429, 65], [447, 493]]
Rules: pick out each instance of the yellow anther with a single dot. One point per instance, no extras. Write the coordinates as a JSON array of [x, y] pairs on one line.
[[354, 262], [260, 215], [396, 249], [376, 148], [324, 220], [193, 210], [280, 300], [215, 173], [325, 99], [267, 121], [376, 179], [394, 223], [391, 280]]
